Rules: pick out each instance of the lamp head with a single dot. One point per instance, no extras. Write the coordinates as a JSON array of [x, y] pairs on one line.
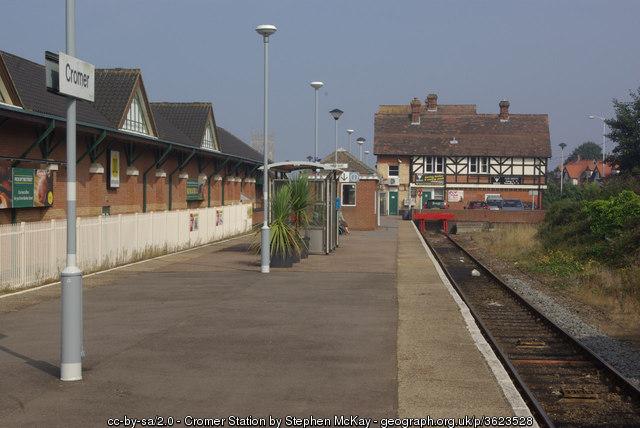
[[316, 85], [453, 141], [336, 113], [360, 140], [265, 30], [591, 116], [350, 131], [562, 145], [366, 152]]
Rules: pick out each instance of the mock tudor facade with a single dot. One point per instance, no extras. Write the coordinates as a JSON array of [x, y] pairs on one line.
[[133, 155], [452, 153]]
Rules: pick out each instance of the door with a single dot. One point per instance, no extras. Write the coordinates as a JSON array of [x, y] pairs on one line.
[[393, 203], [425, 197]]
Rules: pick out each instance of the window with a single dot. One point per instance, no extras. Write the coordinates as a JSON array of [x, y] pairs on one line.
[[348, 194], [478, 165], [135, 120], [434, 164], [209, 139], [394, 170], [438, 194]]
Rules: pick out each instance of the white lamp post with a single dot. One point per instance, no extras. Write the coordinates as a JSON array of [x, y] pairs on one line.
[[336, 113], [366, 155], [350, 131], [604, 139], [360, 142], [316, 86], [265, 31], [562, 146]]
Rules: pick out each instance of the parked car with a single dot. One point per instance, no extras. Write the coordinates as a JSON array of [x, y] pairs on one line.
[[494, 204], [477, 205], [437, 204], [512, 205]]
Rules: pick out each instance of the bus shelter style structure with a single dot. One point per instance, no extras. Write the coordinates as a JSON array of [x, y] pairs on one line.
[[323, 179]]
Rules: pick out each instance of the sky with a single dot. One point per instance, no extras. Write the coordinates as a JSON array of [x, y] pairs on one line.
[[568, 59]]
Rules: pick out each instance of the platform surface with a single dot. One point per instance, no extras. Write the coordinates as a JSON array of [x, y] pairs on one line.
[[367, 330]]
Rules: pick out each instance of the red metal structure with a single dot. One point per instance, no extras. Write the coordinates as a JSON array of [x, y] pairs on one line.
[[432, 215]]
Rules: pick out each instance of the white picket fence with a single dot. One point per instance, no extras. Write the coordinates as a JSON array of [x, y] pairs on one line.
[[35, 253]]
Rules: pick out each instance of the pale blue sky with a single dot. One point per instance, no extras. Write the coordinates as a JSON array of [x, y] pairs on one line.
[[564, 58]]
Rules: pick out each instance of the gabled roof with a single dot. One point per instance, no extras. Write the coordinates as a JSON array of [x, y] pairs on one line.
[[233, 145], [28, 79], [115, 88], [575, 169], [190, 118], [354, 164], [477, 134]]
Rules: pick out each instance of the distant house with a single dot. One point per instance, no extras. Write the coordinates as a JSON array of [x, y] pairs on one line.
[[581, 171]]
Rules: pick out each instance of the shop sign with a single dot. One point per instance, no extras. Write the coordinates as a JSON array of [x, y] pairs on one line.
[[25, 188], [114, 169], [430, 178], [195, 190], [455, 195], [506, 180]]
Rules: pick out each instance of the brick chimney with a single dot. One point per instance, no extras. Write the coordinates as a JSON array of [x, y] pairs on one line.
[[432, 102], [416, 106], [504, 111]]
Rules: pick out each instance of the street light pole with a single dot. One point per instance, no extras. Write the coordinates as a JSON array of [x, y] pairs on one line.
[[360, 142], [71, 276], [604, 139], [265, 249], [336, 113], [350, 131], [316, 86], [562, 146]]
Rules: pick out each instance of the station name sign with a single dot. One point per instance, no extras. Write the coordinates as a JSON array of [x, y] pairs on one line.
[[70, 76]]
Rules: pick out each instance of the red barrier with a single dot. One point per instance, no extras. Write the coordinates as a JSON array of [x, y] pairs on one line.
[[435, 215]]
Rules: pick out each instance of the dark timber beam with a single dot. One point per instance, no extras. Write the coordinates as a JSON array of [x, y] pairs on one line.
[[157, 164], [179, 167], [37, 142], [92, 146]]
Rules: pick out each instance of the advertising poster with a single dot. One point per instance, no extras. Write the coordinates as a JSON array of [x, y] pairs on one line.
[[219, 218], [195, 190], [455, 195], [25, 188], [114, 169], [194, 222]]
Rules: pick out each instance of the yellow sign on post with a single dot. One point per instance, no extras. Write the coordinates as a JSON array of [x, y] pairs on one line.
[[114, 169]]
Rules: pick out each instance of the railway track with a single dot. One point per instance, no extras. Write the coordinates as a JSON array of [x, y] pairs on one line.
[[565, 384]]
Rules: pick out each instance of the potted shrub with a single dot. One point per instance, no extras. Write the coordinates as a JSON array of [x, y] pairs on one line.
[[300, 203], [285, 241]]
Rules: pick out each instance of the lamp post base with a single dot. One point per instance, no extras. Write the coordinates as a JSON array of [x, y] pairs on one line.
[[71, 335], [265, 249]]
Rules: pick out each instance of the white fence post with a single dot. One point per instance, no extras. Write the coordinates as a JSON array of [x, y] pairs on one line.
[[100, 232], [53, 265], [23, 252], [119, 253]]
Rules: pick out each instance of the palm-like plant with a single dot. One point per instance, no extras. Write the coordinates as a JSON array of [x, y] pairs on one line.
[[300, 201], [285, 240]]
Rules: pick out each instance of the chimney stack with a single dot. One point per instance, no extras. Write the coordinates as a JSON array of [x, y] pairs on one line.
[[416, 106], [432, 102], [504, 111]]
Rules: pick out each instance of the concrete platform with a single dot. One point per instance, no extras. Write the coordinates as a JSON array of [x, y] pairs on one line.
[[368, 330]]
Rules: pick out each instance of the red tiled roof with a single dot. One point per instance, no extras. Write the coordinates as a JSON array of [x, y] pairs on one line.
[[575, 169]]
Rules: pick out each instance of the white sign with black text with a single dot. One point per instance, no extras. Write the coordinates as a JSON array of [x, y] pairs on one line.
[[76, 77]]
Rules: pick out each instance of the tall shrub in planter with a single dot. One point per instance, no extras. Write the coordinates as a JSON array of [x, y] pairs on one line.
[[300, 202], [285, 241]]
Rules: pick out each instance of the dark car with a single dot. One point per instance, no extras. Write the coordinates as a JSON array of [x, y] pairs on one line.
[[512, 205], [494, 204], [437, 204], [477, 205]]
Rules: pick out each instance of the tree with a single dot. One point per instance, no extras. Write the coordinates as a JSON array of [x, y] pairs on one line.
[[586, 150], [625, 132]]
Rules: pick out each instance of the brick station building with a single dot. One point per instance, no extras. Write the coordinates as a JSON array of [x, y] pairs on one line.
[[358, 199], [133, 155], [453, 153]]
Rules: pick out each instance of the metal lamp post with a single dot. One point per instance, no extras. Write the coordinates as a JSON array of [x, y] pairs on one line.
[[71, 276], [562, 146], [316, 86], [350, 131], [336, 113], [366, 155], [604, 139], [360, 142], [265, 249]]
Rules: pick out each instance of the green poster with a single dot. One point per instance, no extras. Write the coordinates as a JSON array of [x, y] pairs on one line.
[[195, 190], [23, 185]]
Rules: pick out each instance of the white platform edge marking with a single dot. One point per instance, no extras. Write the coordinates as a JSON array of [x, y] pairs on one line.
[[511, 393], [40, 287]]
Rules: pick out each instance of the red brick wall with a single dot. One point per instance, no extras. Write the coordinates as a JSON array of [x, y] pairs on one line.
[[363, 215], [478, 195], [92, 191]]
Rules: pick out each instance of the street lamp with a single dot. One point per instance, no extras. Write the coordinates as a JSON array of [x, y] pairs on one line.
[[336, 113], [366, 155], [265, 31], [562, 146], [350, 131], [360, 142], [316, 86], [604, 138]]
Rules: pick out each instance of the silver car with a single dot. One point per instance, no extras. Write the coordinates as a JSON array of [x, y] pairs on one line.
[[512, 205], [494, 204]]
